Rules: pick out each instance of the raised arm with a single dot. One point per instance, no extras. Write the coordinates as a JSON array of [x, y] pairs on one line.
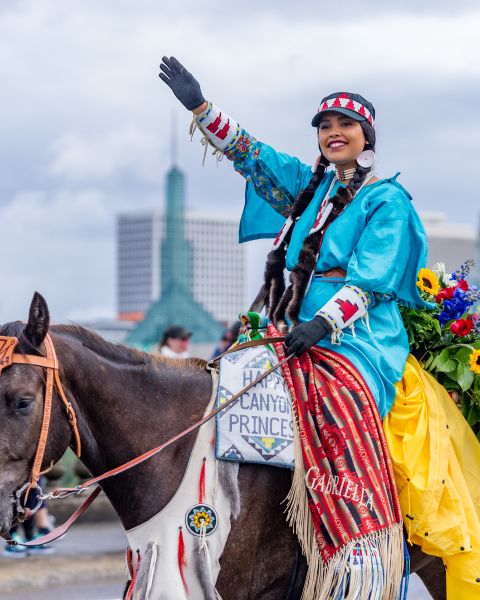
[[276, 177]]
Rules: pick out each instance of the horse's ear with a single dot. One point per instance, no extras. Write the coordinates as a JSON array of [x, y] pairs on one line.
[[38, 320]]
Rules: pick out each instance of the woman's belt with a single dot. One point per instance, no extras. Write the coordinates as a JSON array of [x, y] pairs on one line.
[[335, 272]]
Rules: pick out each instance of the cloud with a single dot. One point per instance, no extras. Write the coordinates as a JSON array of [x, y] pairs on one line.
[[92, 157], [60, 245], [86, 123]]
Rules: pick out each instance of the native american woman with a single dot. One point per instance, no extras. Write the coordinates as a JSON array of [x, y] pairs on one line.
[[353, 244]]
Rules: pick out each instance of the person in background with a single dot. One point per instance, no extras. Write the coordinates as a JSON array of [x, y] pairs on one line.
[[174, 343], [229, 336], [35, 527]]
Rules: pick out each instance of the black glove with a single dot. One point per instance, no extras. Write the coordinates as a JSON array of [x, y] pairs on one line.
[[305, 335], [182, 83]]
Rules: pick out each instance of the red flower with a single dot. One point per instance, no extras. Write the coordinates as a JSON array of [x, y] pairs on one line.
[[462, 327], [445, 294]]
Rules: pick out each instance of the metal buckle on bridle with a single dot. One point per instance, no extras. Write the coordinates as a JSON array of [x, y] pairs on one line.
[[17, 500]]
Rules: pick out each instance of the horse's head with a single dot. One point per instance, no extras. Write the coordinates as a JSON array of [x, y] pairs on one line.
[[21, 407]]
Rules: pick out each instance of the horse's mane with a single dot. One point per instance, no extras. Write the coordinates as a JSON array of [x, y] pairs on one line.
[[115, 352], [120, 353]]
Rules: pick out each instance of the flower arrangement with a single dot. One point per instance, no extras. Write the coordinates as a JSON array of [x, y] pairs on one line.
[[446, 339]]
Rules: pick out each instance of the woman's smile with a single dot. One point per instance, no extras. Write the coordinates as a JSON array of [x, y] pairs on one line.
[[341, 139], [336, 145]]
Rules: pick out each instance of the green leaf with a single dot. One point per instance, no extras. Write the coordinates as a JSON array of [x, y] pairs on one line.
[[450, 385], [448, 365], [463, 355], [434, 362], [443, 357], [465, 376], [473, 416], [427, 363]]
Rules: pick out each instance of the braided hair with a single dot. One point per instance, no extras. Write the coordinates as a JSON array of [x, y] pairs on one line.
[[281, 302]]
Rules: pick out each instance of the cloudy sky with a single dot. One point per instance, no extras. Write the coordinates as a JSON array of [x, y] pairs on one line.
[[85, 122]]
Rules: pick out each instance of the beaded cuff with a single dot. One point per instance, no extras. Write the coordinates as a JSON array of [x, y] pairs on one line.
[[343, 309], [221, 130]]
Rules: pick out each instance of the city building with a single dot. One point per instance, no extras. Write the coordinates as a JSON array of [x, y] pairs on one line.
[[178, 268], [218, 263]]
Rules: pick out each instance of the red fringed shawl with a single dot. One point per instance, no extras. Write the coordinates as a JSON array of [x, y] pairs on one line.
[[343, 503]]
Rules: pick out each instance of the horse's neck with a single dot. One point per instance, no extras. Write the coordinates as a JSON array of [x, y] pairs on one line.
[[125, 409]]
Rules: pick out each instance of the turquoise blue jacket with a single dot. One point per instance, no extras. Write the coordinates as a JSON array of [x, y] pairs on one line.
[[379, 241]]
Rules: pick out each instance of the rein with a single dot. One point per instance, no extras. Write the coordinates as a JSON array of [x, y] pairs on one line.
[[65, 492]]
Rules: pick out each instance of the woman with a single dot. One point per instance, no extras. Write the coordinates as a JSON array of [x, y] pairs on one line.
[[370, 254], [353, 244]]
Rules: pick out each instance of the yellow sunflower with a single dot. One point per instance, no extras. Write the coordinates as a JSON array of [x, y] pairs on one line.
[[428, 282], [475, 361]]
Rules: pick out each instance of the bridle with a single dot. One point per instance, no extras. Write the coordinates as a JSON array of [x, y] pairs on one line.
[[50, 362], [9, 357]]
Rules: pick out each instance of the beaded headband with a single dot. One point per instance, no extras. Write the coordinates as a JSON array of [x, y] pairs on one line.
[[344, 103]]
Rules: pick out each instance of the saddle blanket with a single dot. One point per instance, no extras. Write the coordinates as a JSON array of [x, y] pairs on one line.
[[258, 427]]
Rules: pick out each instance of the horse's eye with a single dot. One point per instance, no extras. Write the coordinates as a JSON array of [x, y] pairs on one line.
[[22, 405]]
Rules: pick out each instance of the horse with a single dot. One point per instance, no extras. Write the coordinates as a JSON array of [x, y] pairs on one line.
[[127, 402]]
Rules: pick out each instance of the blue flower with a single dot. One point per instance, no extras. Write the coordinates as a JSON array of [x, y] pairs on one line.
[[456, 307]]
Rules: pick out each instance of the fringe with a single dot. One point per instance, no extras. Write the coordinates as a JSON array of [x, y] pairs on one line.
[[366, 568], [205, 143], [366, 321], [228, 480], [204, 568], [146, 572], [151, 570], [134, 571], [337, 335], [201, 483], [298, 512], [182, 563]]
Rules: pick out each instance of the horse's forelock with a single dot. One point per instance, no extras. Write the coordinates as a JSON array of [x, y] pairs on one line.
[[17, 329], [13, 329]]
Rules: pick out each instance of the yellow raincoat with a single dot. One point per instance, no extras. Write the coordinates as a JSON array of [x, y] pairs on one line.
[[436, 460]]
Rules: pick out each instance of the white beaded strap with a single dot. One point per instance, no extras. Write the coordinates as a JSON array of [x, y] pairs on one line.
[[221, 130], [343, 309]]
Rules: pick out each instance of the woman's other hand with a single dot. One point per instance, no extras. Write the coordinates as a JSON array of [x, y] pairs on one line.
[[182, 83], [305, 335]]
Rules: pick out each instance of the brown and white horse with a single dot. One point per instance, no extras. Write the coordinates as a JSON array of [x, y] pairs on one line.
[[126, 403]]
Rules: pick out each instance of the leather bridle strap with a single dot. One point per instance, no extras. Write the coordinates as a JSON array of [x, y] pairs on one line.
[[50, 362], [47, 411]]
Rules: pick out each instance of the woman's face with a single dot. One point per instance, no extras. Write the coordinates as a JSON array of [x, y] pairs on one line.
[[341, 139]]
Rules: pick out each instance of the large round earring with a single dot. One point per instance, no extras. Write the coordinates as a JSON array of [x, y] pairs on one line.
[[366, 159]]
